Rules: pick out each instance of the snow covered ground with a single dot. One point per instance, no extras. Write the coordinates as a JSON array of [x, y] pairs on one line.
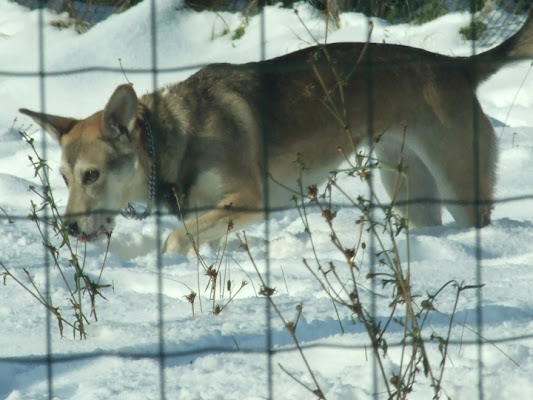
[[223, 357]]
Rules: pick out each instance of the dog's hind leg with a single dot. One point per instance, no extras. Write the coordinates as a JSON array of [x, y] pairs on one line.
[[409, 184], [470, 185], [462, 157]]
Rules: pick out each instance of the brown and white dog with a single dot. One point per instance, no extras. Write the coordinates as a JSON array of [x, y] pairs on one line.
[[215, 140]]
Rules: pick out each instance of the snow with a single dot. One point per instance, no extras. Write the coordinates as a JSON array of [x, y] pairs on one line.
[[223, 357]]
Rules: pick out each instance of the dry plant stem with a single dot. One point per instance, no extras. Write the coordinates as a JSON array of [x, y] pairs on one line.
[[7, 216], [225, 281], [285, 187], [403, 284], [39, 297], [359, 312], [315, 392], [220, 256], [213, 270], [460, 289], [403, 291], [213, 26], [245, 273], [76, 304], [340, 115], [105, 259], [514, 99], [400, 170], [53, 251], [414, 348], [338, 317], [450, 325], [191, 297], [82, 281], [285, 280], [199, 259], [290, 326], [371, 329], [403, 288], [305, 26], [486, 340], [411, 325], [303, 215], [349, 254], [124, 72], [232, 296]]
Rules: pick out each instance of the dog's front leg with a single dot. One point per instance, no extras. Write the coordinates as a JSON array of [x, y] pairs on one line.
[[232, 214], [178, 241]]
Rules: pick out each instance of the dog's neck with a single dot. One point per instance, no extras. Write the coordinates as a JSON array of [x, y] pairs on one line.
[[172, 181], [148, 165]]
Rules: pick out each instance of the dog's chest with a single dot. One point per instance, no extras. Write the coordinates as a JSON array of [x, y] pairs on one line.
[[206, 191]]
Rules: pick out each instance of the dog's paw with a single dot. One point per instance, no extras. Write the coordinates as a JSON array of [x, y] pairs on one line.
[[177, 243]]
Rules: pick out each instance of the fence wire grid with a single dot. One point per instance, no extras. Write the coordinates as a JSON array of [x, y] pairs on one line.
[[501, 25]]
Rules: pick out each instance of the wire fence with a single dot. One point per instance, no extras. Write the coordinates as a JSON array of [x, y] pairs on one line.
[[495, 20]]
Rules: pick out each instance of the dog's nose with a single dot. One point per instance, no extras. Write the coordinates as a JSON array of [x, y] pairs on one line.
[[73, 229]]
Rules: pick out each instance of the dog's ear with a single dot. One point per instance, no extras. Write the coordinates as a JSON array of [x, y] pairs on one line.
[[120, 113], [54, 125]]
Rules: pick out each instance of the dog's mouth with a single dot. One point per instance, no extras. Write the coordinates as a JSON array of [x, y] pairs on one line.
[[87, 238], [94, 235], [104, 230]]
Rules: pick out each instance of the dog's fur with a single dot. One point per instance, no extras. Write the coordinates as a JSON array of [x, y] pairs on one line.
[[222, 131]]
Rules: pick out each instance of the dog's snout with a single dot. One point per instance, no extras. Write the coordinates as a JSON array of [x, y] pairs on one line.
[[73, 229]]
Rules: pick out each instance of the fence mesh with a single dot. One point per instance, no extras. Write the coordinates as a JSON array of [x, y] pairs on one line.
[[500, 25]]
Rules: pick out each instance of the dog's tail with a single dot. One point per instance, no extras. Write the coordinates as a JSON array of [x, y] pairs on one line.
[[516, 48]]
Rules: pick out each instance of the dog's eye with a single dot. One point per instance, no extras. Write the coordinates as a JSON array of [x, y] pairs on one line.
[[90, 176], [65, 179]]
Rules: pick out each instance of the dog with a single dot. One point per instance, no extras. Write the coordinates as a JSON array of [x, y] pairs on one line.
[[219, 147]]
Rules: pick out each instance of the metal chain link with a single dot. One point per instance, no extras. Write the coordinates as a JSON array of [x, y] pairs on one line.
[[129, 211]]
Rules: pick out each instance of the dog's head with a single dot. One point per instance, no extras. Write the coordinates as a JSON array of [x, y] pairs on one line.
[[100, 162]]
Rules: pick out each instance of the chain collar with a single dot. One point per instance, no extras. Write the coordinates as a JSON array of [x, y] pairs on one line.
[[129, 211]]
